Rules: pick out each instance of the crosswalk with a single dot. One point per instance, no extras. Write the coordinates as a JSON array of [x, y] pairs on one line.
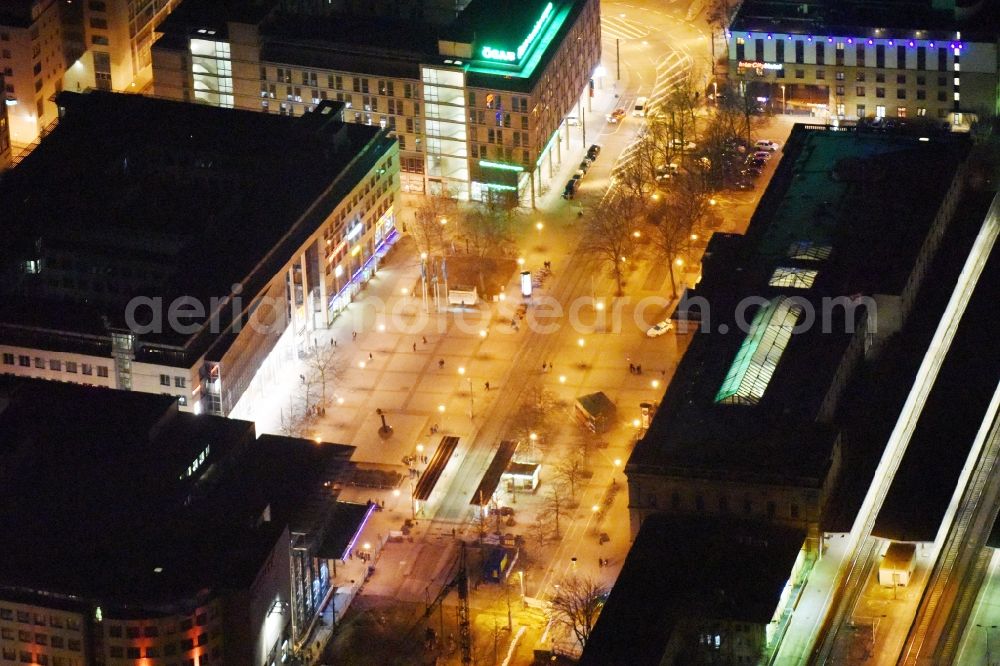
[[671, 69], [616, 27]]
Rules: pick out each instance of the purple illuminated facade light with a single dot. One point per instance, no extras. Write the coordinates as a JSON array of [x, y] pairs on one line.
[[354, 539]]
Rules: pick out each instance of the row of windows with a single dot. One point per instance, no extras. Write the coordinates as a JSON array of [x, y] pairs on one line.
[[25, 636], [40, 619], [168, 649], [384, 87], [179, 382], [56, 365], [860, 54], [25, 657], [771, 507]]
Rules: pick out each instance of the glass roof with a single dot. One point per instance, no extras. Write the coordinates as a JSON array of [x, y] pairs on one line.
[[758, 356], [790, 276]]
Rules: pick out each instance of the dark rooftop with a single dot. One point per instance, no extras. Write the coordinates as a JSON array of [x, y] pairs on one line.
[[99, 493], [161, 199], [682, 570], [840, 218], [861, 18], [950, 420], [16, 13]]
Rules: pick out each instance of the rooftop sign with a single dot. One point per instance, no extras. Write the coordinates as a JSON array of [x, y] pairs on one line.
[[503, 55]]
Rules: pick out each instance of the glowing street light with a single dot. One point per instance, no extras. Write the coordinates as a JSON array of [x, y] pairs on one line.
[[461, 370], [679, 261], [636, 423], [562, 379], [404, 291], [520, 261], [381, 328], [361, 364], [441, 408], [395, 492], [637, 234], [340, 401], [595, 508], [482, 332], [655, 383], [539, 226], [423, 256], [420, 448], [581, 342]]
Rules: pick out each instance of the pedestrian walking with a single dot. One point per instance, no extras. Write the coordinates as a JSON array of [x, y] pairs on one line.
[[544, 365], [487, 386], [414, 346], [441, 364], [600, 562], [638, 369], [424, 338], [631, 368], [354, 335], [370, 357]]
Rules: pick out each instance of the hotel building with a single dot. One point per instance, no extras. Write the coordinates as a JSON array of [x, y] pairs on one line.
[[479, 103], [179, 260], [139, 535], [856, 59]]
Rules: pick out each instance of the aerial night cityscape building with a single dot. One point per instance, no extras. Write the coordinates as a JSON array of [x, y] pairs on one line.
[[341, 332]]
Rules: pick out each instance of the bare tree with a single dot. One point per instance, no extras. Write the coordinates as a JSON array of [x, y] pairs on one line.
[[430, 224], [323, 367], [576, 604], [683, 214], [534, 415], [555, 506], [608, 234], [539, 530], [570, 473], [487, 227], [718, 13]]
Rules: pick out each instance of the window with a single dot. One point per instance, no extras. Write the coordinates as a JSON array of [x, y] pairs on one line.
[[820, 53], [900, 93], [880, 111], [800, 73], [880, 56], [164, 380], [116, 651], [880, 77], [921, 57], [840, 90], [859, 91], [57, 642], [859, 55], [900, 57], [800, 52], [102, 371], [133, 653], [99, 40], [741, 49], [840, 75], [24, 361], [99, 23], [942, 59], [821, 74], [40, 363], [8, 359], [901, 79], [97, 6], [779, 50], [880, 92], [941, 96], [921, 112], [759, 50], [115, 630], [859, 77], [55, 364], [86, 368], [900, 111]]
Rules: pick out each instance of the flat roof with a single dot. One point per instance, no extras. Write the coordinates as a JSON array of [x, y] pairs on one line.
[[156, 204], [863, 18], [683, 569], [950, 420], [512, 40], [109, 496], [746, 396], [491, 478]]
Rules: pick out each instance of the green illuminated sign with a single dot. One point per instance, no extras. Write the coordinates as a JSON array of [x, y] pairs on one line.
[[503, 55], [500, 165], [497, 186]]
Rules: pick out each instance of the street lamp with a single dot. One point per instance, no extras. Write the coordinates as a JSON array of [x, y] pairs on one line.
[[520, 261], [581, 342], [784, 106], [562, 379], [539, 226], [655, 383], [986, 630]]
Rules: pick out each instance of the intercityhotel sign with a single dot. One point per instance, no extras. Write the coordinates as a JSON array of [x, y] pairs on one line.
[[759, 67], [502, 55]]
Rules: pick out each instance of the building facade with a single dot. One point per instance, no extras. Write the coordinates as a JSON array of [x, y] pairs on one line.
[[262, 313], [233, 568], [5, 147], [471, 114], [32, 64], [836, 66]]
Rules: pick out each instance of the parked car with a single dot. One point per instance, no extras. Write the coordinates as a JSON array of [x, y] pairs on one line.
[[585, 166], [578, 175], [742, 184], [683, 145], [640, 107], [659, 329], [752, 171], [616, 115], [593, 151], [666, 171], [756, 162], [767, 144], [570, 190], [762, 155]]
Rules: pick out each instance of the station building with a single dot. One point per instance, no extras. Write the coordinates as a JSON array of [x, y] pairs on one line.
[[786, 317], [5, 148], [855, 59], [187, 259], [480, 102], [138, 534]]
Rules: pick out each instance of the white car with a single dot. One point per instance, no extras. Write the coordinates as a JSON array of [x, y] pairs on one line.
[[767, 144], [659, 329]]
